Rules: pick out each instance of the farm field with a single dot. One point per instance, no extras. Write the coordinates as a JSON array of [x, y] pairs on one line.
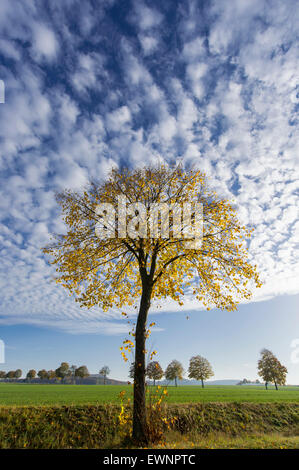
[[26, 394]]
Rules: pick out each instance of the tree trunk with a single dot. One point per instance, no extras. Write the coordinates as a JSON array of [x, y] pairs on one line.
[[202, 384], [275, 385], [140, 432], [266, 385], [175, 382], [154, 382]]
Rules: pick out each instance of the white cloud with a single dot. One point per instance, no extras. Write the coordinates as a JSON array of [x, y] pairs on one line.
[[195, 72], [167, 127], [194, 49], [9, 49], [45, 44], [145, 17], [88, 72], [149, 44], [116, 120]]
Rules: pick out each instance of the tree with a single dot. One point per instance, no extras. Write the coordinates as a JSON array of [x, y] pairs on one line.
[[72, 372], [244, 382], [31, 374], [174, 371], [200, 369], [51, 374], [10, 374], [18, 373], [271, 370], [119, 256], [2, 374], [105, 371], [63, 371], [43, 374], [154, 371], [82, 372], [132, 370]]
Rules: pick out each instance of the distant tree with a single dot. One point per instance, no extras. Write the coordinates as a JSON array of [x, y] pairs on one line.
[[271, 370], [200, 369], [154, 371], [43, 374], [244, 382], [2, 374], [72, 372], [82, 372], [51, 374], [18, 373], [132, 370], [104, 372], [10, 374], [31, 374], [63, 371], [174, 371]]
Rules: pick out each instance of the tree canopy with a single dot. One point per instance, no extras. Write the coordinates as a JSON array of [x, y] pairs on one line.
[[105, 371], [200, 369], [106, 272], [270, 369], [43, 374], [63, 371], [18, 373], [82, 372], [154, 371], [31, 374], [174, 371]]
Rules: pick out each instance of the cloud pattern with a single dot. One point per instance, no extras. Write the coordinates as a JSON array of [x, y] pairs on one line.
[[90, 85]]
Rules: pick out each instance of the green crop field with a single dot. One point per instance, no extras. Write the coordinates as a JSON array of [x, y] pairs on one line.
[[26, 394]]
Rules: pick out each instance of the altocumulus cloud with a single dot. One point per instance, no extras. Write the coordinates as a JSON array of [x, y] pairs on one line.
[[91, 87]]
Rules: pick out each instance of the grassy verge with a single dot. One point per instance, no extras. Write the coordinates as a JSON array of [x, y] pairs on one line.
[[196, 425], [221, 441]]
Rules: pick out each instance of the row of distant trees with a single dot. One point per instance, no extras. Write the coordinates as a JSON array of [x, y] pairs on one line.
[[64, 372], [269, 368], [246, 381], [12, 374], [199, 369]]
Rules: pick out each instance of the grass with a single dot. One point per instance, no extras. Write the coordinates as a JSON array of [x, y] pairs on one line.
[[86, 416], [207, 425], [220, 441], [26, 394]]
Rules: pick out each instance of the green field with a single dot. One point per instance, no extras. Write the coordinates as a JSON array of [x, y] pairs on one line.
[[87, 416], [26, 394]]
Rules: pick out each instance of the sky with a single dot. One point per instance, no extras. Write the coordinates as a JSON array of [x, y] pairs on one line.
[[99, 84]]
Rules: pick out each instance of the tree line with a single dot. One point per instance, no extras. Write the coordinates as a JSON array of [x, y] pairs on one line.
[[199, 369], [63, 373], [269, 368]]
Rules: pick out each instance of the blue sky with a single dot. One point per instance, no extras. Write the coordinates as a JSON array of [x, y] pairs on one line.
[[91, 85]]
